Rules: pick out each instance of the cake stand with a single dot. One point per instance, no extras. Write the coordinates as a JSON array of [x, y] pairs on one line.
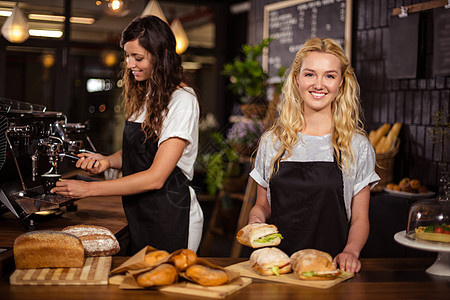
[[441, 266]]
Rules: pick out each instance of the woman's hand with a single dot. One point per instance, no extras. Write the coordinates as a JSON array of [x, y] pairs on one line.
[[261, 211], [347, 262], [94, 163], [72, 188]]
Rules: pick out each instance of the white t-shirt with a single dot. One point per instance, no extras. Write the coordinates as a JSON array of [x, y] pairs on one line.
[[320, 148], [182, 121]]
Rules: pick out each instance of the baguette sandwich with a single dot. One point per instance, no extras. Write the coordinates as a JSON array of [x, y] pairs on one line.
[[270, 261], [311, 264], [257, 235]]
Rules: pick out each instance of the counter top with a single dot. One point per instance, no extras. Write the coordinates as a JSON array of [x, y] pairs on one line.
[[100, 211], [380, 278]]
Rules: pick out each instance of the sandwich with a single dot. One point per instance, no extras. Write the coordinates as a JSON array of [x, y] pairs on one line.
[[270, 261], [311, 264], [257, 235]]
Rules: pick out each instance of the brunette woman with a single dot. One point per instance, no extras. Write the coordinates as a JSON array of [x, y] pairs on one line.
[[160, 144]]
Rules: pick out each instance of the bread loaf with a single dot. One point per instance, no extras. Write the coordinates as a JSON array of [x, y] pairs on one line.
[[97, 240], [48, 249], [379, 133]]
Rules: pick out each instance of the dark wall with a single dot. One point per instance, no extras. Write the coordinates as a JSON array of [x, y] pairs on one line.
[[412, 102]]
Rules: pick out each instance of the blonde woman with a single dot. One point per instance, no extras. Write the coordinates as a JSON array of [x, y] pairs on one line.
[[315, 166]]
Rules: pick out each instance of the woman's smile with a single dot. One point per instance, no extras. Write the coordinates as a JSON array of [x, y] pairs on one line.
[[317, 95]]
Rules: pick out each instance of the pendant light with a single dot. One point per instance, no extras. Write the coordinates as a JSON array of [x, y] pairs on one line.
[[180, 36], [153, 8], [16, 29]]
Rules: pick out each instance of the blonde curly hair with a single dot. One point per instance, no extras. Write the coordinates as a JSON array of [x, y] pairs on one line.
[[345, 109]]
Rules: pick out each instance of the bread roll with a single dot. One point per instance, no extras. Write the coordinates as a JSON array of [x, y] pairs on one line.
[[257, 235], [415, 184], [156, 256], [206, 276], [311, 264], [270, 261], [164, 274], [184, 258], [404, 183], [48, 249], [97, 240]]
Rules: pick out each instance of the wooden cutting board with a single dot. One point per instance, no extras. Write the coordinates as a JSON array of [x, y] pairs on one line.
[[217, 292], [245, 270], [94, 272], [192, 289]]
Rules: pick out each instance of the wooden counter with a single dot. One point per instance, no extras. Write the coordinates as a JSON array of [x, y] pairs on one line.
[[101, 211], [387, 278]]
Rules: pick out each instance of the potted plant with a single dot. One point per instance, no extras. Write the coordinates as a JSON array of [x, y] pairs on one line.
[[220, 164], [244, 135], [248, 79]]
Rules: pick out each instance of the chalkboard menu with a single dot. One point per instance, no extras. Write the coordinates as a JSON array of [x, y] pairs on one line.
[[292, 22], [441, 40]]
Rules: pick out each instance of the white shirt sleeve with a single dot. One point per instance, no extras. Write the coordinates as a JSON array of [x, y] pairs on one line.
[[365, 165], [182, 122], [260, 172]]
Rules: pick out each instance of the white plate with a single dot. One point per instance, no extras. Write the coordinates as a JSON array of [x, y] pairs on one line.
[[409, 195], [402, 238]]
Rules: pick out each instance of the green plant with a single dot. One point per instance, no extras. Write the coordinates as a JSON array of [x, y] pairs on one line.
[[247, 77], [219, 165]]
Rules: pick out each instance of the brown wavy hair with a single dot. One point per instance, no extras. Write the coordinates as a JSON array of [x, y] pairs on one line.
[[345, 109], [166, 76]]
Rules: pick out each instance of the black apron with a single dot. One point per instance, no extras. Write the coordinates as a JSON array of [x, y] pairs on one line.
[[157, 218], [307, 201]]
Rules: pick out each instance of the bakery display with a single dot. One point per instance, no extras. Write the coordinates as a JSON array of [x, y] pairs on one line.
[[257, 235], [312, 264], [429, 220], [270, 261], [48, 249], [164, 274], [96, 240], [385, 137], [408, 186]]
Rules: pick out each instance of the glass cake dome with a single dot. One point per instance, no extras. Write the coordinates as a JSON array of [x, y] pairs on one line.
[[429, 221]]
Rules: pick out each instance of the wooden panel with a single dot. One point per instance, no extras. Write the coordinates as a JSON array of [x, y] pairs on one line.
[[95, 272]]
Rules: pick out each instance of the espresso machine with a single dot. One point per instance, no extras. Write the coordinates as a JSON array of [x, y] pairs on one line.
[[33, 142]]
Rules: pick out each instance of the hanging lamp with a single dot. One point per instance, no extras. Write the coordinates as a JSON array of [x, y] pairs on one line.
[[180, 36], [16, 28], [153, 8]]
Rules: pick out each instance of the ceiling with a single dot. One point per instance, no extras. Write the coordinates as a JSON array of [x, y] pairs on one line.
[[197, 20]]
